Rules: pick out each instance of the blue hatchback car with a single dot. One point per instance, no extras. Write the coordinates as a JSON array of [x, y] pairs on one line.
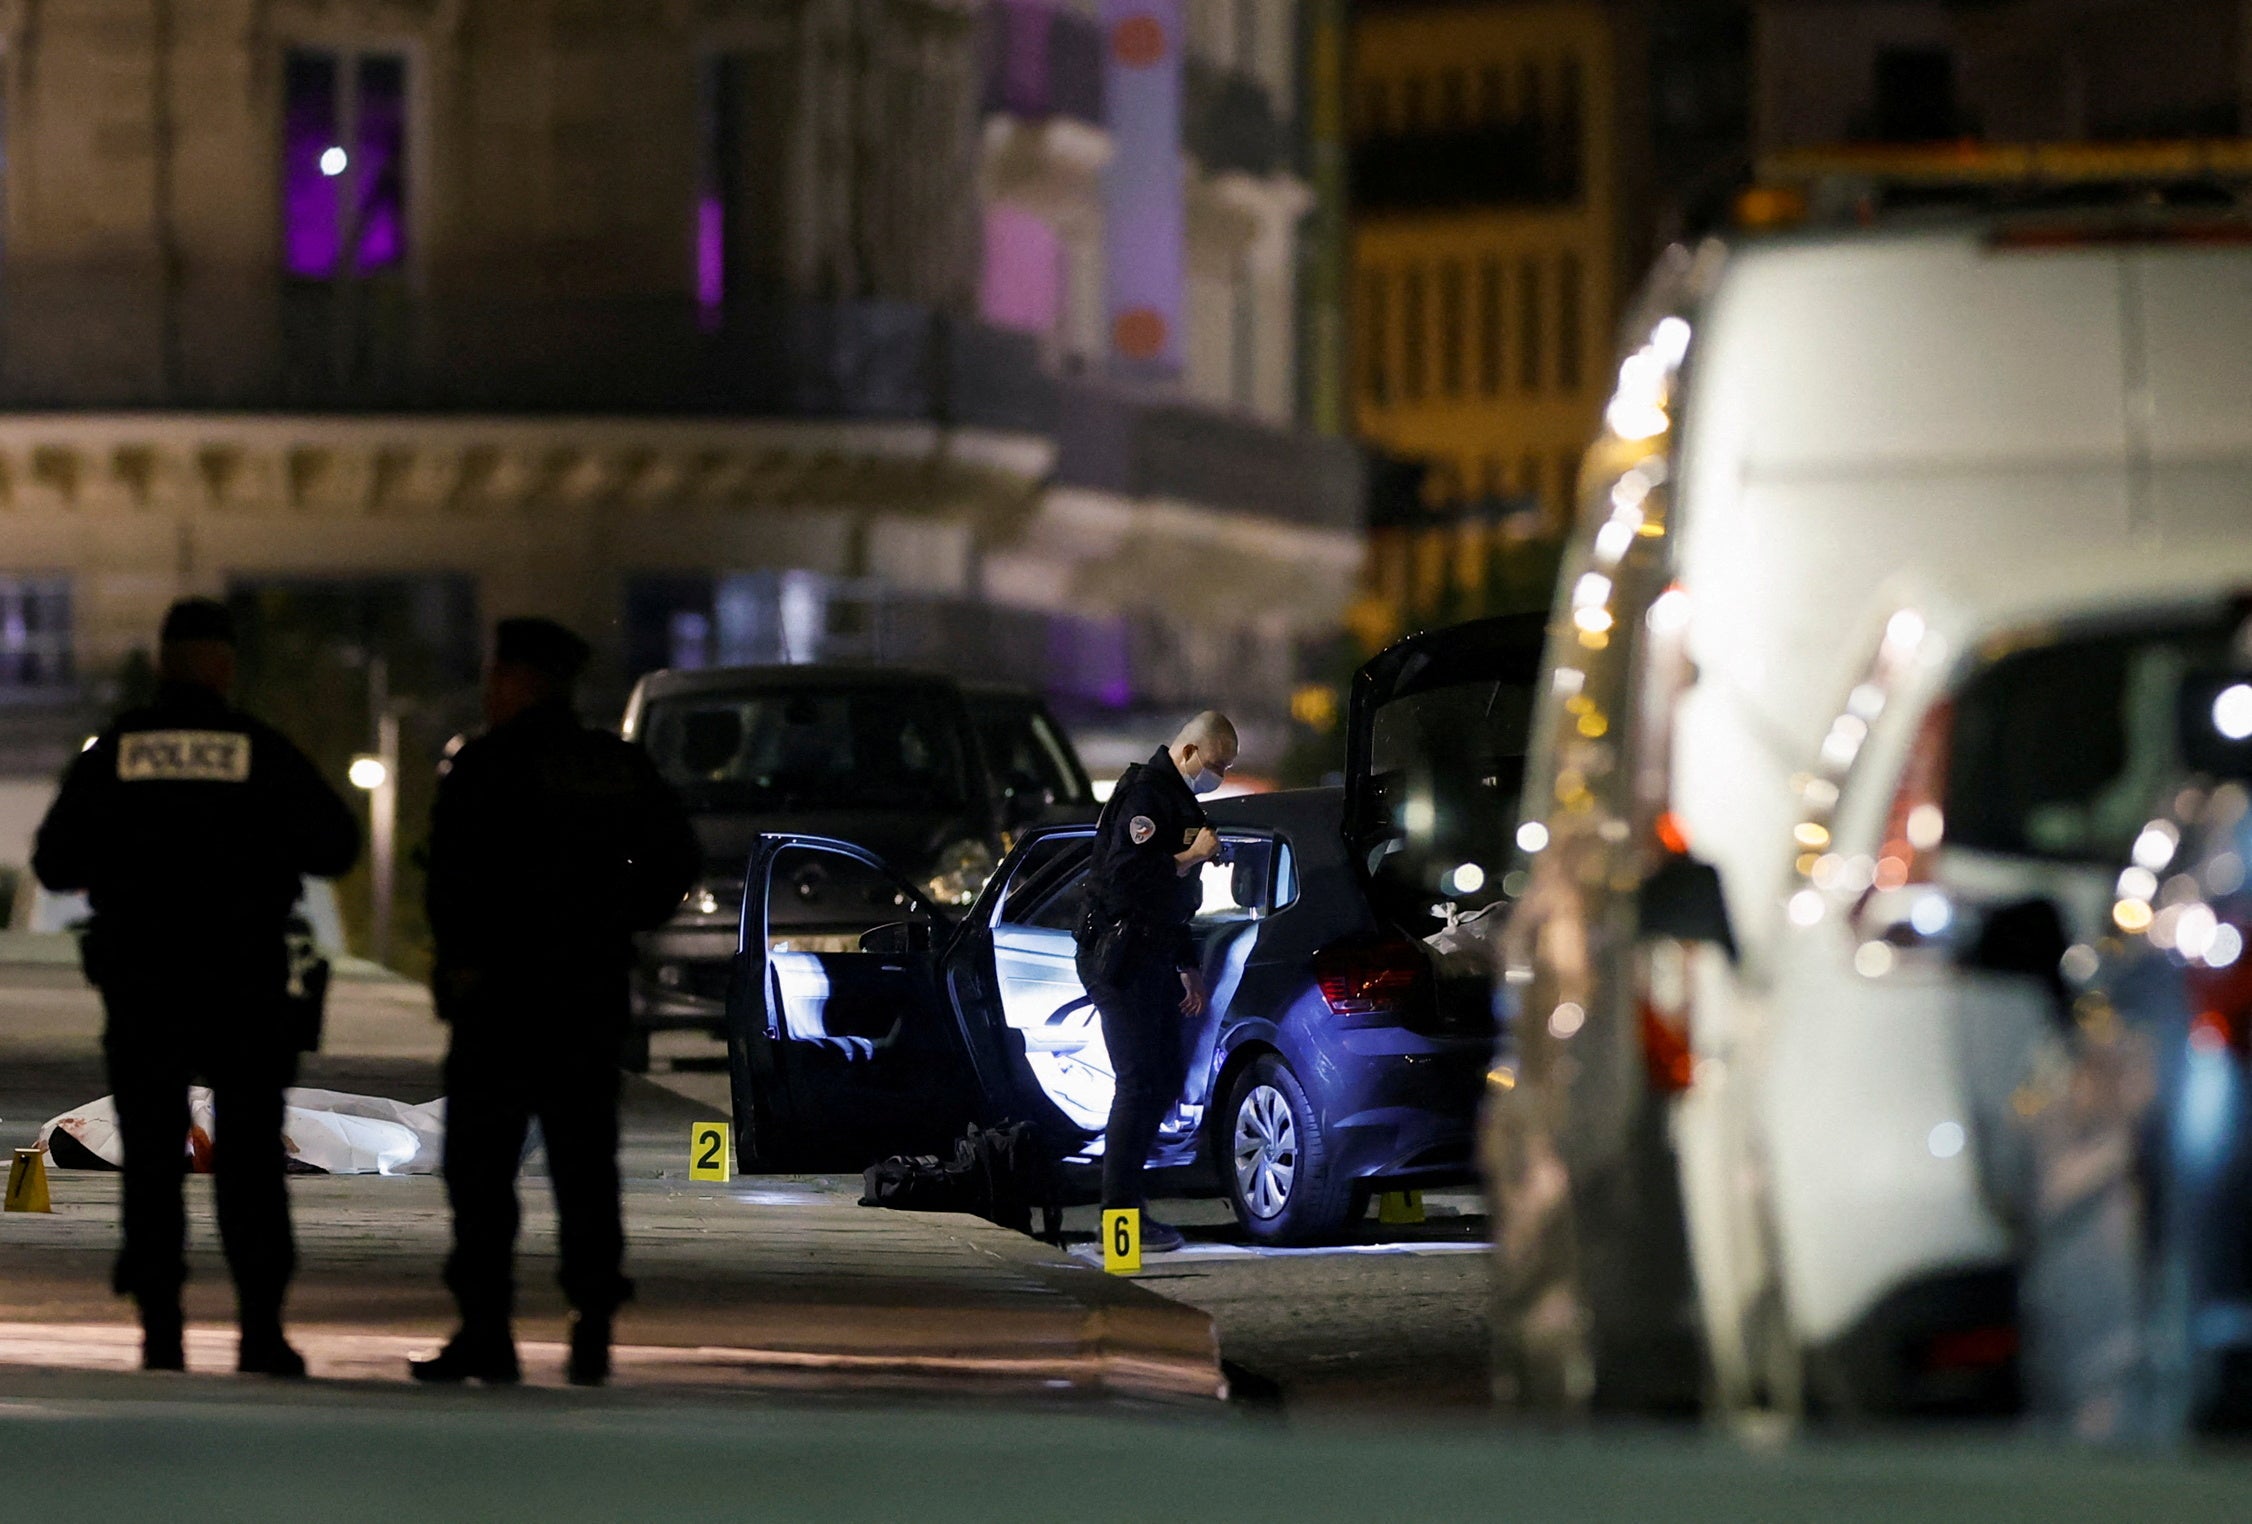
[[1347, 1040]]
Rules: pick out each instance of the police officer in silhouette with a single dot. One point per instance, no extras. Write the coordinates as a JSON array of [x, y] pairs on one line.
[[1136, 957], [189, 826], [550, 845]]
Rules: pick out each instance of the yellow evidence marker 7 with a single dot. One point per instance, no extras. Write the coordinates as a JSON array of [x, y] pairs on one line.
[[708, 1158], [1122, 1240]]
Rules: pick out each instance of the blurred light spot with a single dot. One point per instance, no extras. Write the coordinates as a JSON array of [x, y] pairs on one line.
[[1670, 614], [2079, 963], [1806, 907], [1931, 915], [2131, 916], [1419, 815], [2154, 848], [368, 773], [1467, 878], [2138, 884], [1593, 621], [1565, 1020], [1515, 882], [1927, 824], [1827, 870], [1873, 960], [1892, 872], [1612, 540], [88, 743], [1905, 630], [1866, 701], [1670, 340], [2194, 931], [1593, 724], [2232, 711], [1103, 788], [1568, 680], [1502, 1077], [2226, 947], [1819, 792], [1808, 833], [1532, 836], [1946, 1140], [2224, 874], [334, 161]]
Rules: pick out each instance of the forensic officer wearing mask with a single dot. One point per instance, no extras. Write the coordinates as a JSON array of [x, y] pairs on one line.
[[189, 826], [1136, 957]]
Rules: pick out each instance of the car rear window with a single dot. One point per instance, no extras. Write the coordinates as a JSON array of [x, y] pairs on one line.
[[808, 748], [1021, 741], [2060, 750]]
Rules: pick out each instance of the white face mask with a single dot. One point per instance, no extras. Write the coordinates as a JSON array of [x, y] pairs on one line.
[[1204, 782]]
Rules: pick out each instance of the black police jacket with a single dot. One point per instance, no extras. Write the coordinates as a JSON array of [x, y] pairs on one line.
[[1133, 881], [550, 845], [190, 824]]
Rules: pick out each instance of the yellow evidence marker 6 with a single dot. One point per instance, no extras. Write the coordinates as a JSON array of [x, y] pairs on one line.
[[1399, 1209], [708, 1158], [1122, 1240], [27, 1182]]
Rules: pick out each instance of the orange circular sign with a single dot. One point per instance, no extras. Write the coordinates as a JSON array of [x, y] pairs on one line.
[[1139, 333], [1138, 41]]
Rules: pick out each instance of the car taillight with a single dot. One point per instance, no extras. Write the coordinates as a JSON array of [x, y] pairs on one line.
[[1663, 1005], [1917, 821], [1373, 976], [2221, 1002]]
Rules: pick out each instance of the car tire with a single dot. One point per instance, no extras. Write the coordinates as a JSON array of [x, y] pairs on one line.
[[1276, 1161]]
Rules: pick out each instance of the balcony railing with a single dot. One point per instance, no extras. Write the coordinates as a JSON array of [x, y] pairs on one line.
[[375, 348]]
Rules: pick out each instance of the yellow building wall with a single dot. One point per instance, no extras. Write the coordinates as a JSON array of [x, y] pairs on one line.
[[1444, 301]]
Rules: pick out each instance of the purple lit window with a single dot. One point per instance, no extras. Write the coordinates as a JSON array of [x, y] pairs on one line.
[[344, 163], [1022, 285]]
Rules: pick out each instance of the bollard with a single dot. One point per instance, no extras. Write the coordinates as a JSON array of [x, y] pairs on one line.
[[1399, 1209], [27, 1182]]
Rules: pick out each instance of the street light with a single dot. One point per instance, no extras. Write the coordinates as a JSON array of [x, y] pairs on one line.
[[369, 773]]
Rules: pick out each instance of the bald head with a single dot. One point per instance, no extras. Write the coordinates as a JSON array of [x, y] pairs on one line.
[[1206, 744]]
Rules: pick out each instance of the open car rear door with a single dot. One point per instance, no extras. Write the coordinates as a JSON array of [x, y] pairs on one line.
[[1436, 734], [843, 1045]]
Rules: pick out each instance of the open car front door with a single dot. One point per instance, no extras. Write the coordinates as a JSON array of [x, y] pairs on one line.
[[843, 1047]]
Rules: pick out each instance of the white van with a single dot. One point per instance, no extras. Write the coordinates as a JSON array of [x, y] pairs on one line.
[[1802, 423]]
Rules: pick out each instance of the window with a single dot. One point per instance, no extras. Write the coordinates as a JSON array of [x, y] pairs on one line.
[[1490, 102], [1564, 139], [1528, 325], [1414, 108], [1020, 288], [1489, 326], [1569, 340], [743, 157], [35, 643], [1240, 887], [1454, 99], [1414, 330], [1454, 327], [802, 747], [344, 163], [1376, 338], [1529, 92], [1567, 483], [1915, 95]]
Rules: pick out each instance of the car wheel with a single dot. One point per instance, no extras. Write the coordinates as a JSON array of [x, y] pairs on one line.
[[1277, 1162]]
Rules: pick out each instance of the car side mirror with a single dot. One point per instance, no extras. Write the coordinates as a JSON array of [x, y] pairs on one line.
[[1683, 900], [897, 937], [2026, 939]]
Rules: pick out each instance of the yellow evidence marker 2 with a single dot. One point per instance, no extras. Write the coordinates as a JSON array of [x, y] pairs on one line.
[[708, 1158], [1122, 1240], [27, 1182]]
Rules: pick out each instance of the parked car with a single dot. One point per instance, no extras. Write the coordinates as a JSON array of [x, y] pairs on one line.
[[2129, 1140], [894, 759], [1349, 1030], [1799, 423]]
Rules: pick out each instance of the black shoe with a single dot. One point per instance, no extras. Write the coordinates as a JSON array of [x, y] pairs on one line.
[[466, 1358], [590, 1350], [163, 1342], [264, 1352], [1160, 1237]]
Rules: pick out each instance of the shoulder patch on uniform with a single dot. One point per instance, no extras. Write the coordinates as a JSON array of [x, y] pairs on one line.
[[1141, 828], [183, 756]]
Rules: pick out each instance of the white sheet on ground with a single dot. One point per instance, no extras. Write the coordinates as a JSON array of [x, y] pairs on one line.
[[327, 1130]]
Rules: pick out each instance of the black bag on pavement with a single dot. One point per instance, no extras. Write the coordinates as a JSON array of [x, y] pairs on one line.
[[305, 1002], [997, 1173]]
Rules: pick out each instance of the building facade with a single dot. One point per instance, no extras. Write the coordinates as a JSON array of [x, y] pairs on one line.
[[1494, 183], [956, 332]]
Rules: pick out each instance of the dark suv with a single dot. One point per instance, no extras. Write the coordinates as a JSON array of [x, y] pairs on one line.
[[902, 760]]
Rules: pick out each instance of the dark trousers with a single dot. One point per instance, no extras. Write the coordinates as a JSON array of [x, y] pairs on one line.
[[1141, 1017], [221, 1025], [547, 1050]]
